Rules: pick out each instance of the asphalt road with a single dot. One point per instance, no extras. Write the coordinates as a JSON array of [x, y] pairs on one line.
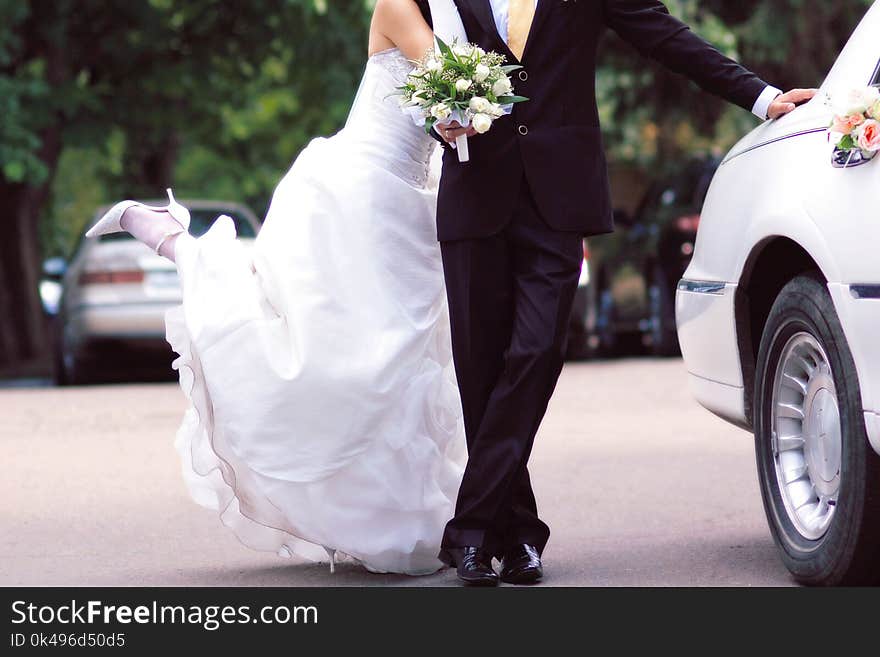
[[639, 484]]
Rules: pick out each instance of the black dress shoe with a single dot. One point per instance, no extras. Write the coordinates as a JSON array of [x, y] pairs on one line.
[[522, 565], [473, 565]]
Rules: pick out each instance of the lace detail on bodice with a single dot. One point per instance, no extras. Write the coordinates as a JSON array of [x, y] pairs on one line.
[[380, 127], [394, 62]]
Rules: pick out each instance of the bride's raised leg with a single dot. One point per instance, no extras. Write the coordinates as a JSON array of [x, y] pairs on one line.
[[154, 228]]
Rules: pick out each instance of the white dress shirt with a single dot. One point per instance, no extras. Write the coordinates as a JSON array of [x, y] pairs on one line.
[[501, 10]]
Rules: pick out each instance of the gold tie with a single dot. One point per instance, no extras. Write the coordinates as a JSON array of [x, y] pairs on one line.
[[519, 22]]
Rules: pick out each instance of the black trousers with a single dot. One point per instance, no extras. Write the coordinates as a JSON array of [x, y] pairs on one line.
[[510, 298]]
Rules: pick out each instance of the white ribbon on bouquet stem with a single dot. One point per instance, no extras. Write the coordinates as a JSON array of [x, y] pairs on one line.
[[461, 142], [449, 27]]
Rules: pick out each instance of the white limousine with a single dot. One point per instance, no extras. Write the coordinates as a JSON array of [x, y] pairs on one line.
[[779, 323]]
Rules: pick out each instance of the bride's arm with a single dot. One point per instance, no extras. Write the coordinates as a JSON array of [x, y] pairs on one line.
[[399, 23]]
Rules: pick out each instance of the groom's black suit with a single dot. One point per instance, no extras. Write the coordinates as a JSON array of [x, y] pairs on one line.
[[511, 222]]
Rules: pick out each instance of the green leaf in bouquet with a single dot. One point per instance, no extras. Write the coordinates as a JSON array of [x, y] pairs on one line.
[[429, 124], [510, 68], [847, 143], [444, 49], [510, 100]]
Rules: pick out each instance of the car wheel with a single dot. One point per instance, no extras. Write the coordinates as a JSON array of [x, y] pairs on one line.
[[579, 328], [68, 370], [819, 477], [664, 336], [578, 347], [603, 341]]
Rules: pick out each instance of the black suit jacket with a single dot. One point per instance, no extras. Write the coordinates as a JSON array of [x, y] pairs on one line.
[[553, 140]]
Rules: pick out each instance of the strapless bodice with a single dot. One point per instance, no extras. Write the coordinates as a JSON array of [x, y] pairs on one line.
[[381, 129]]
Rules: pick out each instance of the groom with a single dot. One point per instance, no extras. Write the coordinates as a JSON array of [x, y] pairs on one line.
[[511, 223]]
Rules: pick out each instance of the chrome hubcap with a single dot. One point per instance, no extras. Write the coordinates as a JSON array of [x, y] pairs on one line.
[[806, 436]]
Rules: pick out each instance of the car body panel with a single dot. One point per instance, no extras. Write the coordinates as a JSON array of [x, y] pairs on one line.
[[701, 314], [778, 183]]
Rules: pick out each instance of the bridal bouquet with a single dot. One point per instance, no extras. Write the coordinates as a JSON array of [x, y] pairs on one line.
[[459, 82], [855, 129]]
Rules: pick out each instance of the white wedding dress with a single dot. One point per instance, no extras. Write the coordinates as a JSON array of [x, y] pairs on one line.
[[324, 413]]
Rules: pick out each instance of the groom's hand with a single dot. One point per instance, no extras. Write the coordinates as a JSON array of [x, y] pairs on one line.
[[453, 131], [786, 102]]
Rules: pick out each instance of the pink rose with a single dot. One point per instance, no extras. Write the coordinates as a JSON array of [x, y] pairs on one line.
[[869, 136], [846, 124]]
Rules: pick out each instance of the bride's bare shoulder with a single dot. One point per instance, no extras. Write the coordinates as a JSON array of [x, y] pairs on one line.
[[400, 24], [396, 9]]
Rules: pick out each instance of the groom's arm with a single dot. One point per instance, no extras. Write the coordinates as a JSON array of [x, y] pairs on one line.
[[648, 25]]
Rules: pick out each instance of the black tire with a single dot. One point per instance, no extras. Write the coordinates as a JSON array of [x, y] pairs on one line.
[[69, 374], [578, 339], [603, 343], [578, 347], [70, 370], [664, 336], [848, 552], [61, 373]]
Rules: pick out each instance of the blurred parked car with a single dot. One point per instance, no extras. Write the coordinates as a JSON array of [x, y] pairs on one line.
[[634, 271], [778, 317], [582, 318], [115, 292]]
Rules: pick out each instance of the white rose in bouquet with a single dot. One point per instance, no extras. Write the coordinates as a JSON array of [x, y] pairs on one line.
[[482, 73], [441, 111], [479, 105], [463, 85], [502, 87], [433, 65], [481, 123], [857, 101]]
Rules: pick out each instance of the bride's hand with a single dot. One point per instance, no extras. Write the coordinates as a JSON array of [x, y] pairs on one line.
[[453, 131]]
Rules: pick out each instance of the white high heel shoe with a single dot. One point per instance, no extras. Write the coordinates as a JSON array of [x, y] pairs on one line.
[[111, 222]]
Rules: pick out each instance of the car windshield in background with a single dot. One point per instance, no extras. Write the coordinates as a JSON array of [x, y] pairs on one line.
[[201, 221]]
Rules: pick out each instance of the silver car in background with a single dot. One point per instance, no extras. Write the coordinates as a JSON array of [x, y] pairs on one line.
[[111, 312]]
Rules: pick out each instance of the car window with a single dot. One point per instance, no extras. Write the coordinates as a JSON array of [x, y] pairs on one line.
[[201, 221]]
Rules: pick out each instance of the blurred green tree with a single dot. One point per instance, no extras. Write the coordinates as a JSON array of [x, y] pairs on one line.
[[120, 87], [653, 120]]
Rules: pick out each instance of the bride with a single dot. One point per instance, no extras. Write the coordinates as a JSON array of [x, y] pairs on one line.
[[324, 414]]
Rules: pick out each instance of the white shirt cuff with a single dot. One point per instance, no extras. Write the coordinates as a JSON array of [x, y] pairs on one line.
[[762, 105]]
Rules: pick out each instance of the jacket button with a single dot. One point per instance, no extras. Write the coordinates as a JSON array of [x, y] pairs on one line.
[[523, 130], [523, 76]]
